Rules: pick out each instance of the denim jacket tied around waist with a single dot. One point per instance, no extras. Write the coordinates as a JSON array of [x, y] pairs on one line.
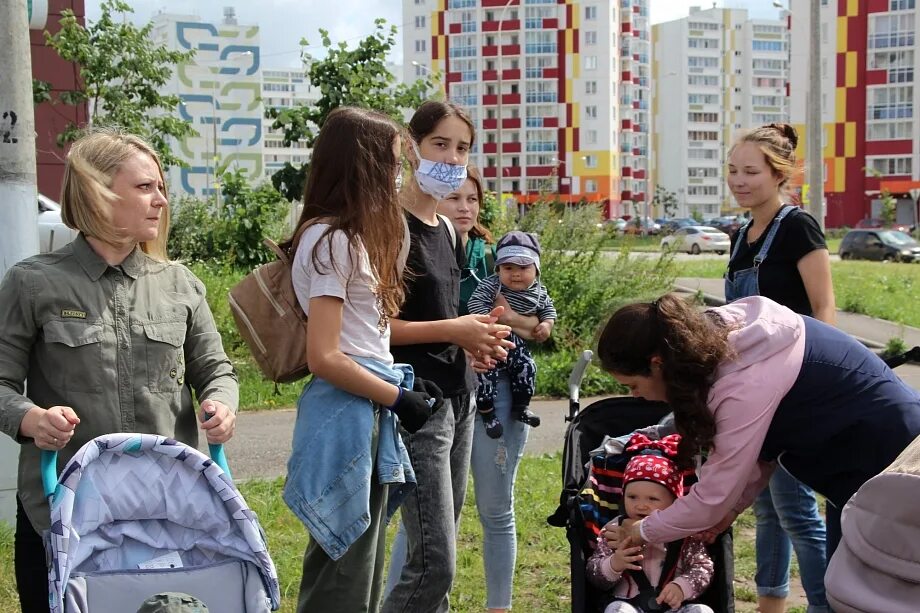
[[329, 473]]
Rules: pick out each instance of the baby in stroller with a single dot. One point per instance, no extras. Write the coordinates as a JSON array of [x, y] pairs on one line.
[[633, 573]]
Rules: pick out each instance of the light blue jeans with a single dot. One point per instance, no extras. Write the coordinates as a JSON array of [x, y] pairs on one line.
[[494, 464], [788, 518]]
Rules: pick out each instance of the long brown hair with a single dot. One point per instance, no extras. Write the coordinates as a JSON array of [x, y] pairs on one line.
[[690, 344], [352, 187], [478, 230]]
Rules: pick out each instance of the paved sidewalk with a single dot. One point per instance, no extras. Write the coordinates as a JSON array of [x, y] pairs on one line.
[[262, 443]]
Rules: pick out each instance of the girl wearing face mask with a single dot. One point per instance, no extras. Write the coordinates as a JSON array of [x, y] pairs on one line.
[[429, 335], [494, 461]]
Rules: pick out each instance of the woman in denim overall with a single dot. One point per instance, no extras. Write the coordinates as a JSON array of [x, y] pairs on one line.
[[787, 513]]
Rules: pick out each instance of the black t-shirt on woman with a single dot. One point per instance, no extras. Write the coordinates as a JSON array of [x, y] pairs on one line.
[[433, 293], [779, 278]]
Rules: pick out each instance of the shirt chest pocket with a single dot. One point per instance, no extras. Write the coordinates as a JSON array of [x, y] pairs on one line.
[[74, 354], [163, 343]]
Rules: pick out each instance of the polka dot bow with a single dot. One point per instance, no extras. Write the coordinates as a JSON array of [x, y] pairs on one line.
[[654, 462]]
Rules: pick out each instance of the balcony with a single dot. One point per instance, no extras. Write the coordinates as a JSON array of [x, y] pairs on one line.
[[506, 26]]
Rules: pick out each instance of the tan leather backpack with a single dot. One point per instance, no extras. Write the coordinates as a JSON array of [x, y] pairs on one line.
[[269, 318]]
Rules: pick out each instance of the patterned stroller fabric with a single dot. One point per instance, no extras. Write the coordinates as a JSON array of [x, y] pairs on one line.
[[139, 514]]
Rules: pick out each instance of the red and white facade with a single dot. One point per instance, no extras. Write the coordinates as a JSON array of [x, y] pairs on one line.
[[573, 84]]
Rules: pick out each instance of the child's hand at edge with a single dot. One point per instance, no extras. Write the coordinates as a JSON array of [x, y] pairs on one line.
[[542, 330], [672, 595], [626, 557]]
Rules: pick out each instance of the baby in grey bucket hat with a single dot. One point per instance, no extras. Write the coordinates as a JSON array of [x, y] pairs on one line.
[[517, 279]]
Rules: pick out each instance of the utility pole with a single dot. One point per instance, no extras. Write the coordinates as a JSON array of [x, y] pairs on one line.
[[18, 197], [501, 169], [815, 130]]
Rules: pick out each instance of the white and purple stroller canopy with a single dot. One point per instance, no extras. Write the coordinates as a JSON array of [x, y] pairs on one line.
[[134, 515]]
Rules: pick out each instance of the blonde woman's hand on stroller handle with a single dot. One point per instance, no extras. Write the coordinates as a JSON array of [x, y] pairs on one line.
[[50, 429], [217, 421]]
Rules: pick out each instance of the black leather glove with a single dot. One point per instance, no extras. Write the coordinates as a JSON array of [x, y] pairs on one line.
[[431, 388], [413, 409]]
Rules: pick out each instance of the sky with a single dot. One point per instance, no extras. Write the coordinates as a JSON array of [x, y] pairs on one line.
[[284, 22]]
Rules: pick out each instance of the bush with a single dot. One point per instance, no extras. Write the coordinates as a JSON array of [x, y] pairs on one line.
[[232, 233]]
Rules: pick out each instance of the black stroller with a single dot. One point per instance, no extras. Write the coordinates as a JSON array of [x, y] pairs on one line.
[[585, 432]]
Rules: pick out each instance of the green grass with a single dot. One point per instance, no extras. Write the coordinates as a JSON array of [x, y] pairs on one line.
[[542, 578], [877, 289]]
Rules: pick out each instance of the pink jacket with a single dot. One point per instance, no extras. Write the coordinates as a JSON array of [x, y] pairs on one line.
[[769, 341]]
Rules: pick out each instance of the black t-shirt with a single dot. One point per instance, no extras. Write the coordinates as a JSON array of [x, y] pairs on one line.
[[778, 277], [433, 293]]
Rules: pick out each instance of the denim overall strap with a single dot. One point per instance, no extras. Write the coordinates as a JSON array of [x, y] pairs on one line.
[[744, 283]]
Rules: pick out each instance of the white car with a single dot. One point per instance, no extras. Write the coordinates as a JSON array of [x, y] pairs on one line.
[[697, 239], [52, 233]]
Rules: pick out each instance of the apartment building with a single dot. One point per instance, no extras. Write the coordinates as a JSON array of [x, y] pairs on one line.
[[714, 72], [558, 91], [870, 127], [224, 92]]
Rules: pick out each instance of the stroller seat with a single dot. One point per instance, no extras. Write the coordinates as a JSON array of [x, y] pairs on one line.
[[134, 515]]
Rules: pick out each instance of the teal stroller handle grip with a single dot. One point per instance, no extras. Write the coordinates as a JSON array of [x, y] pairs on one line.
[[220, 458], [49, 471], [50, 476]]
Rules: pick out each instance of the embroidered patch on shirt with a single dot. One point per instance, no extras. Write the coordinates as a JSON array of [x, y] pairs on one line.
[[73, 313]]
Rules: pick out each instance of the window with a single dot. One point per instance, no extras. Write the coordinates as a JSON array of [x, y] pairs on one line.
[[419, 21], [590, 37], [591, 111], [891, 102], [590, 87], [703, 43], [590, 161], [590, 62], [703, 154], [702, 98], [702, 62], [889, 130], [702, 117], [703, 172], [591, 137], [421, 46], [894, 30], [888, 166], [709, 81], [901, 5], [771, 45], [702, 135], [590, 13], [703, 190]]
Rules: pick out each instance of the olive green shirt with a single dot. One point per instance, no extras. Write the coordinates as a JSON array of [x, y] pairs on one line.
[[124, 346]]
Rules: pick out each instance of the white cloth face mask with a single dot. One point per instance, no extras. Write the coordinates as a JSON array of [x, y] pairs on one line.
[[438, 179]]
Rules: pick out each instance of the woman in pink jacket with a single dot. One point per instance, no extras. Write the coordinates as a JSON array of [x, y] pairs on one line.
[[753, 384]]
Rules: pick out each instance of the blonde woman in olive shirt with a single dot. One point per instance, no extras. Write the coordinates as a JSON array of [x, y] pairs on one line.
[[111, 336]]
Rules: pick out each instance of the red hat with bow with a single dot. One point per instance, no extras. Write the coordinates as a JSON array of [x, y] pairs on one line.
[[654, 462]]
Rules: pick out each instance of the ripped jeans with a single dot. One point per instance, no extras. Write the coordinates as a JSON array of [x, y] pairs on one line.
[[494, 465]]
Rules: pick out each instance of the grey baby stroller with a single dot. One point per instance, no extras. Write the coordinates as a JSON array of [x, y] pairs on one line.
[[134, 515], [591, 491]]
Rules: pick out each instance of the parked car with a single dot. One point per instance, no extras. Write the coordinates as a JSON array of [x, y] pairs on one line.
[[639, 225], [882, 245], [671, 225], [52, 233], [727, 223], [876, 222], [696, 239]]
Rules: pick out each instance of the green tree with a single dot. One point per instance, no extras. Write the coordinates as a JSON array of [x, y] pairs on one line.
[[345, 77], [666, 200], [122, 75]]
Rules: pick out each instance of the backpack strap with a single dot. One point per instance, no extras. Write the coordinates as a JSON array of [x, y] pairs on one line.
[[450, 230]]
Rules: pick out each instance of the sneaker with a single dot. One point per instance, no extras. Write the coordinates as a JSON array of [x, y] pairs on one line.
[[494, 428], [528, 417]]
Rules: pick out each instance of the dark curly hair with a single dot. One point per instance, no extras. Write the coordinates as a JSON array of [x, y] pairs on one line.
[[690, 343]]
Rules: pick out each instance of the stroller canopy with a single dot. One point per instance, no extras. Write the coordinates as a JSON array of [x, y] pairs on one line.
[[131, 501]]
